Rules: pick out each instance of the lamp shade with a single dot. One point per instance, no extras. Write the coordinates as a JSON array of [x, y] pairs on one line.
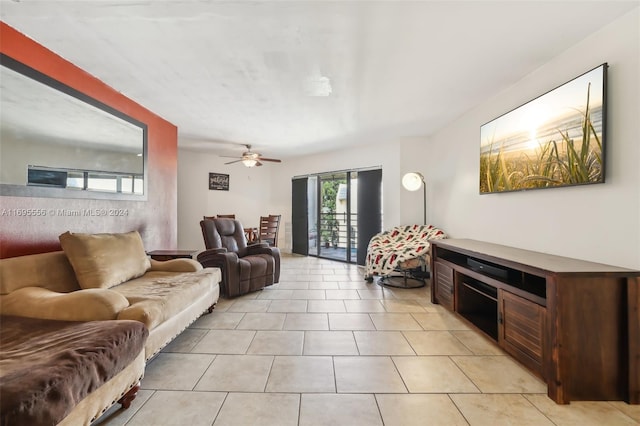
[[249, 162], [412, 181]]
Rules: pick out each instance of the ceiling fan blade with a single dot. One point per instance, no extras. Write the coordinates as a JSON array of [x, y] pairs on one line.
[[231, 162], [258, 164], [274, 160], [228, 156]]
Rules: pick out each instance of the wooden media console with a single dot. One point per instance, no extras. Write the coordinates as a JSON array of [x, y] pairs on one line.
[[573, 323]]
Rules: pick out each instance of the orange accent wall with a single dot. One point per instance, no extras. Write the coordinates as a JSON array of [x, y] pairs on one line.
[[155, 219]]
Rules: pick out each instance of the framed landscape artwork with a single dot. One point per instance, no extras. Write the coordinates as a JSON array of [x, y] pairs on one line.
[[554, 140]]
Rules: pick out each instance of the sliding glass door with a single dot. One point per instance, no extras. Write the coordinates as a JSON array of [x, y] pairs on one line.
[[331, 216]]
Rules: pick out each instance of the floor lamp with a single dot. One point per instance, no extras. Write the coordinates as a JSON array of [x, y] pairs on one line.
[[412, 182]]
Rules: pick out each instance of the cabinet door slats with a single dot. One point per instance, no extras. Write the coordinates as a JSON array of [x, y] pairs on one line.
[[522, 328]]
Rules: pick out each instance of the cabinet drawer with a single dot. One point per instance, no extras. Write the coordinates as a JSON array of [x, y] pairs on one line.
[[444, 285], [521, 329]]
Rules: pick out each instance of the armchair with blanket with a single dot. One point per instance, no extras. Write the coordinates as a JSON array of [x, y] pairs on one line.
[[402, 248], [245, 268]]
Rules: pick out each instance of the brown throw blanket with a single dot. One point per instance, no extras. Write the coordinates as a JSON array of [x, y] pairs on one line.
[[47, 367]]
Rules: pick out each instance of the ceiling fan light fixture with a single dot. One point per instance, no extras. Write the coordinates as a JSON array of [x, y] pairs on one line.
[[249, 162]]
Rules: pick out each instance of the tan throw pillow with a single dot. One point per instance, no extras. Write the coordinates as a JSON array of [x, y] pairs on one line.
[[105, 260]]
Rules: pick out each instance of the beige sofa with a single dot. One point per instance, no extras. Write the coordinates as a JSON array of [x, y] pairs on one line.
[[109, 277]]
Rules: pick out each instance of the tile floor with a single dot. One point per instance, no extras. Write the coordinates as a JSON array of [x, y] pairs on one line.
[[324, 347]]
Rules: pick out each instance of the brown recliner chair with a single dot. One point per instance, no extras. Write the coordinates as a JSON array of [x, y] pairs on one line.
[[244, 268]]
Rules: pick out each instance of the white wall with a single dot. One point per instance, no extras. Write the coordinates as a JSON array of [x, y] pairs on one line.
[[595, 222], [414, 158], [249, 195]]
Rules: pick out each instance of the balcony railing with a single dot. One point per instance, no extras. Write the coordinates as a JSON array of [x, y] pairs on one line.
[[336, 231]]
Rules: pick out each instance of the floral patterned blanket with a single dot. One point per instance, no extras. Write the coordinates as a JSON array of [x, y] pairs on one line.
[[389, 249]]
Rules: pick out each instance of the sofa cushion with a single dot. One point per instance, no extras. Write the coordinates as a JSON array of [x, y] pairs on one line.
[[47, 367], [82, 305], [49, 270], [105, 260], [158, 296]]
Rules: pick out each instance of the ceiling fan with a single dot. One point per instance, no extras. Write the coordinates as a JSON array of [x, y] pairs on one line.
[[251, 159]]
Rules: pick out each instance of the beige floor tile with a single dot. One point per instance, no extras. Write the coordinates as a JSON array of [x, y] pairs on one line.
[[402, 306], [277, 343], [415, 409], [236, 373], [306, 322], [353, 285], [477, 343], [632, 411], [185, 341], [179, 408], [435, 343], [367, 374], [583, 413], [500, 410], [241, 362], [444, 320], [225, 342], [339, 409], [308, 294], [314, 278], [219, 320], [223, 304], [249, 305], [382, 343], [293, 285], [361, 306], [275, 294], [329, 343], [343, 294], [375, 294], [411, 293], [394, 321], [344, 277], [262, 321], [117, 416], [326, 306], [259, 409], [301, 374], [248, 296], [350, 322], [175, 371], [433, 374], [324, 285], [288, 306], [431, 307], [499, 374]]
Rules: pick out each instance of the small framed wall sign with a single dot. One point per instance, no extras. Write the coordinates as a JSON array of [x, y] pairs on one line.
[[218, 182]]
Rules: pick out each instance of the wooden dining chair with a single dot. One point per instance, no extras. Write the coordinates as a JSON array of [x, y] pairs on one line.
[[268, 230]]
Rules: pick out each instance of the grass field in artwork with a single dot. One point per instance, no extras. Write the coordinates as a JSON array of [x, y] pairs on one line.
[[555, 140]]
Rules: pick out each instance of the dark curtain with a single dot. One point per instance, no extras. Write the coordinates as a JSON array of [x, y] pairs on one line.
[[369, 209], [299, 217]]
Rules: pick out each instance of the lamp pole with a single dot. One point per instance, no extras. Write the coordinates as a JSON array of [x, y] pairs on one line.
[[424, 201]]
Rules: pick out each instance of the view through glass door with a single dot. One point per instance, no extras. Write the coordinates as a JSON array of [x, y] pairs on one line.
[[333, 213]]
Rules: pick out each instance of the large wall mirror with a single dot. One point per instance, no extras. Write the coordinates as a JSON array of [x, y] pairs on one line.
[[58, 142]]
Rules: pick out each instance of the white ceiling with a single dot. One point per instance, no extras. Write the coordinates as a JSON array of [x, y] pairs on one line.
[[242, 72]]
